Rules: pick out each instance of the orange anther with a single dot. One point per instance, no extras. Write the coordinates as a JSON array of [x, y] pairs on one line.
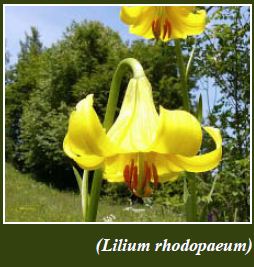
[[153, 25], [131, 168], [168, 28], [156, 28], [126, 175]]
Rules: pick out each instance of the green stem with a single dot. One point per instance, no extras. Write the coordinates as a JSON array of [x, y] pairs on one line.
[[191, 203], [94, 197], [115, 87], [108, 121], [189, 64], [84, 194], [182, 73], [78, 178], [209, 197]]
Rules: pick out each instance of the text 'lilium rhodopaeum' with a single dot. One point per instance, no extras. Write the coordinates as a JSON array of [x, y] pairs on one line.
[[164, 22], [141, 146]]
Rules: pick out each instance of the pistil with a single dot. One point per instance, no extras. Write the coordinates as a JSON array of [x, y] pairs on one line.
[[157, 28], [138, 177], [166, 29]]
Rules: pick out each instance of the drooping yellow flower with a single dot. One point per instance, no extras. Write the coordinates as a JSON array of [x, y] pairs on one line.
[[164, 22], [141, 147]]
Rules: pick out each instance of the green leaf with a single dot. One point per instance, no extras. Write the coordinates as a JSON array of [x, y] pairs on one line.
[[78, 178], [199, 114], [185, 190]]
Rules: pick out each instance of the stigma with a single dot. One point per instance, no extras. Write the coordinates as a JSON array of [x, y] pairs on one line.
[[159, 29], [138, 177]]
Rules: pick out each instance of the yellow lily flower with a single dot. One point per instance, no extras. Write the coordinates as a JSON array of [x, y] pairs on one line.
[[141, 147], [164, 22]]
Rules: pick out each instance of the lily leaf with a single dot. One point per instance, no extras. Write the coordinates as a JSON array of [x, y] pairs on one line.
[[78, 178], [199, 114]]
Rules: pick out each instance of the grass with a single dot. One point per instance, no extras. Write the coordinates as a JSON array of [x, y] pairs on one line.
[[30, 201]]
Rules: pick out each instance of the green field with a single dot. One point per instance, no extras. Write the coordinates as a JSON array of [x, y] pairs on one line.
[[30, 201]]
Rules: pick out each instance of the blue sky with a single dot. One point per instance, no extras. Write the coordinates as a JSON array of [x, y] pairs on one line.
[[51, 21]]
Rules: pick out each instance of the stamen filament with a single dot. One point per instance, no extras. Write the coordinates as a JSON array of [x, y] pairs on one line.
[[155, 176], [126, 175], [166, 29], [169, 28], [138, 177]]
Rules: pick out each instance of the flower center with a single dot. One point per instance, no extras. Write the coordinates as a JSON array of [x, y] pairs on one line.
[[138, 176], [157, 28]]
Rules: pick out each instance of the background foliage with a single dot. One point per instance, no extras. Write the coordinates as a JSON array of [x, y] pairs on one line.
[[46, 83]]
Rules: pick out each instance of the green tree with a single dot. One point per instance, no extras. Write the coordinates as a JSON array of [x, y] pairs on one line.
[[224, 52], [22, 79]]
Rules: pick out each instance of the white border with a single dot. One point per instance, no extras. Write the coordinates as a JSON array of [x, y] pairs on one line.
[[74, 5]]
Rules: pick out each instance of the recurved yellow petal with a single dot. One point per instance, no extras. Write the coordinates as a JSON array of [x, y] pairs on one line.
[[86, 141], [202, 163], [178, 132], [85, 161]]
